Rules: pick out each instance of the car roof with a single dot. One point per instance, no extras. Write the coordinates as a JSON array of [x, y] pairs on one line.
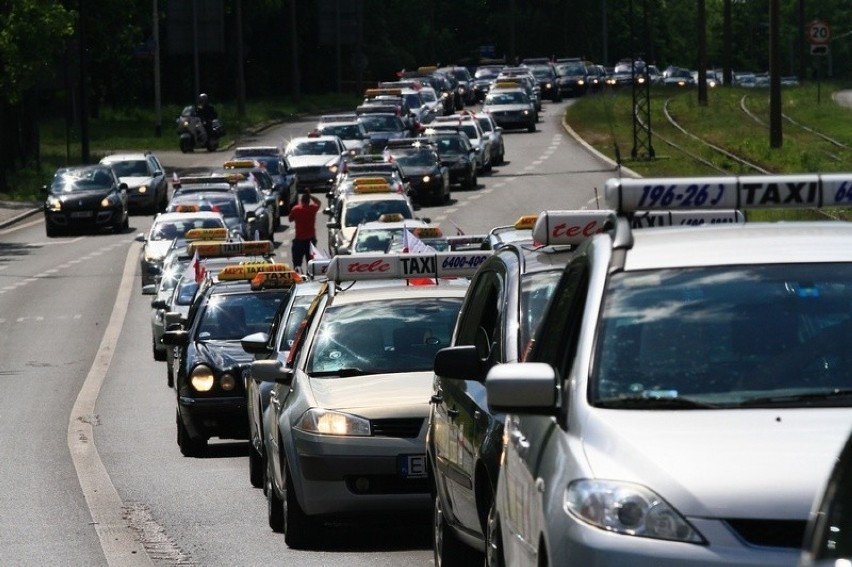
[[112, 158], [398, 289], [171, 217]]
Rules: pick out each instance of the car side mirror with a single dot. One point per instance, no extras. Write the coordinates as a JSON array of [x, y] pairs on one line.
[[178, 337], [256, 343], [332, 225], [158, 303], [150, 289], [459, 363], [140, 237], [271, 371]]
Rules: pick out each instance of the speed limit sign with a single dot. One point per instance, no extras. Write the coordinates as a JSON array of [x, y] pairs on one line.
[[818, 32]]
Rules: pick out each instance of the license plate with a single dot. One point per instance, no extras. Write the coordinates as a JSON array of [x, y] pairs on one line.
[[412, 466], [81, 214]]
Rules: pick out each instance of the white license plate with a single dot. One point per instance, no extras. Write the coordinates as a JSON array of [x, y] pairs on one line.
[[81, 214], [412, 466]]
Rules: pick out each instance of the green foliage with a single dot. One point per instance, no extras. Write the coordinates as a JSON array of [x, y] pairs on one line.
[[32, 33]]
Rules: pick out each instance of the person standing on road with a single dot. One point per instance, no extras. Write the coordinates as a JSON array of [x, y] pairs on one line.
[[304, 215]]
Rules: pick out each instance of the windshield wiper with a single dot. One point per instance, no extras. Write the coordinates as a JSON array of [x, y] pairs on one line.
[[644, 402], [839, 397], [342, 372]]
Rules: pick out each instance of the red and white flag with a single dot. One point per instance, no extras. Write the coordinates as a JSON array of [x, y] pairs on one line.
[[175, 180], [413, 245], [194, 269], [316, 254]]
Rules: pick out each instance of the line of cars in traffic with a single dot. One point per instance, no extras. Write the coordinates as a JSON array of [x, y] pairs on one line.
[[591, 387]]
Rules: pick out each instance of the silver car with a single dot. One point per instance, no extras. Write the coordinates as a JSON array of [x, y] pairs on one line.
[[689, 387], [346, 423]]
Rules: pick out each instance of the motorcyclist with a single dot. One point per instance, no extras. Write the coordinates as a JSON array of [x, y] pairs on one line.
[[205, 111]]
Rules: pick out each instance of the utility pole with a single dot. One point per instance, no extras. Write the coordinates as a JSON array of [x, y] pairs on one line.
[[84, 84], [727, 35], [241, 79], [702, 53], [775, 128], [158, 104], [294, 46]]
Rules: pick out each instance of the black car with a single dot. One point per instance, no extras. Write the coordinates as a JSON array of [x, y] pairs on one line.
[[483, 78], [422, 169], [501, 311], [545, 75], [85, 196], [381, 127], [572, 78], [260, 218], [457, 154], [210, 380], [284, 183]]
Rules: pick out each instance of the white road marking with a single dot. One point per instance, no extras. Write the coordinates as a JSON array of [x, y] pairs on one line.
[[118, 540]]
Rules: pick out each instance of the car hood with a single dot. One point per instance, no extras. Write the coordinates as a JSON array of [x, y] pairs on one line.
[[221, 355], [419, 170], [83, 197], [136, 181], [376, 391], [746, 463], [353, 144], [311, 161], [157, 248]]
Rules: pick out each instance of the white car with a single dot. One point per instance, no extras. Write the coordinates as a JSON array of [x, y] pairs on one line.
[[689, 388]]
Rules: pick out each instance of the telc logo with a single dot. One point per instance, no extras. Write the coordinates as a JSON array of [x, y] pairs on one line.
[[375, 266], [568, 230]]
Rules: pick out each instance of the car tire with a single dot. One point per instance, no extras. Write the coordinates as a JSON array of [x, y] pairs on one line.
[[445, 198], [446, 547], [300, 530], [186, 145], [257, 467], [159, 355], [531, 128], [50, 230], [189, 446], [494, 540], [274, 507], [470, 180], [125, 226], [170, 374]]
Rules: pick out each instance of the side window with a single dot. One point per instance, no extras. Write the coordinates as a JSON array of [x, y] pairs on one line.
[[556, 339], [482, 322]]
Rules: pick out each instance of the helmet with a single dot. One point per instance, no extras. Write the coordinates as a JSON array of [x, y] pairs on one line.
[[202, 98]]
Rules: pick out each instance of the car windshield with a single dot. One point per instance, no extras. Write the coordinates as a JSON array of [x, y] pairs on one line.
[[536, 290], [347, 132], [232, 316], [172, 229], [415, 158], [572, 69], [313, 148], [506, 98], [485, 124], [486, 73], [375, 240], [749, 336], [131, 168], [249, 195], [369, 211], [391, 335], [95, 178], [450, 146], [381, 123]]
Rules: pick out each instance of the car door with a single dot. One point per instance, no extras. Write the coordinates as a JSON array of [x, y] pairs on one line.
[[462, 413]]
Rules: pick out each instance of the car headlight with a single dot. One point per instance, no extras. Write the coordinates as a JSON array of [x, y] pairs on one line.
[[426, 179], [54, 204], [333, 168], [548, 85], [581, 82], [107, 202], [202, 378], [628, 509], [143, 188], [227, 381], [526, 112], [326, 422]]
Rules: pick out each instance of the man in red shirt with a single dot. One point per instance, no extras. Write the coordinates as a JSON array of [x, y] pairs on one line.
[[304, 215]]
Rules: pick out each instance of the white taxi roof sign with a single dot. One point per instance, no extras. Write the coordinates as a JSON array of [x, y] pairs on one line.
[[225, 249], [406, 266], [391, 217], [571, 227], [206, 234], [650, 219], [248, 271], [809, 190], [275, 280], [317, 268]]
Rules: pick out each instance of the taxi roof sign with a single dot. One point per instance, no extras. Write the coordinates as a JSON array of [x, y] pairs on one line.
[[236, 272], [391, 217], [525, 222], [571, 227], [275, 280], [406, 266], [366, 188], [370, 93], [427, 232], [226, 249], [241, 164], [732, 193], [650, 219], [206, 234], [369, 181]]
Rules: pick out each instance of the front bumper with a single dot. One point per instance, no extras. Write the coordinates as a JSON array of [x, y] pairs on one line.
[[82, 218], [223, 417], [357, 475]]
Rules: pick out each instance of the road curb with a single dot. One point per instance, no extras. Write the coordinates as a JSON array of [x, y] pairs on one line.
[[19, 217], [620, 170]]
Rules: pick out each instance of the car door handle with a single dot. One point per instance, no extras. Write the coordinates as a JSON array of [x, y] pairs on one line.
[[436, 399], [453, 413]]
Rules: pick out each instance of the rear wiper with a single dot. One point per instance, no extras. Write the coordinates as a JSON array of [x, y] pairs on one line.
[[644, 402], [342, 372], [840, 397]]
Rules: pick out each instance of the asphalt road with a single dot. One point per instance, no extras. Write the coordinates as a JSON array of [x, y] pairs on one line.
[[91, 473]]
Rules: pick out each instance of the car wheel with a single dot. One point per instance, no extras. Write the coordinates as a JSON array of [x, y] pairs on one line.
[[126, 224], [257, 468], [447, 549], [50, 231], [170, 374], [159, 355], [300, 530], [446, 196], [494, 540], [531, 127], [186, 145], [189, 446], [501, 158], [274, 507]]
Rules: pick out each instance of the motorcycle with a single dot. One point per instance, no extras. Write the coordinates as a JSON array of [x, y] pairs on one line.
[[192, 133]]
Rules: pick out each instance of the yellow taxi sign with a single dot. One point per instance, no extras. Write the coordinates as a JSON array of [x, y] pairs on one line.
[[275, 280], [371, 188], [369, 181], [526, 222], [206, 234], [237, 272], [428, 232], [503, 84], [371, 93], [427, 69], [391, 217], [187, 208], [225, 249], [240, 164]]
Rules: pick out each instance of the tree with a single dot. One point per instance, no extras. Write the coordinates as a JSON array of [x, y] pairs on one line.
[[32, 34]]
